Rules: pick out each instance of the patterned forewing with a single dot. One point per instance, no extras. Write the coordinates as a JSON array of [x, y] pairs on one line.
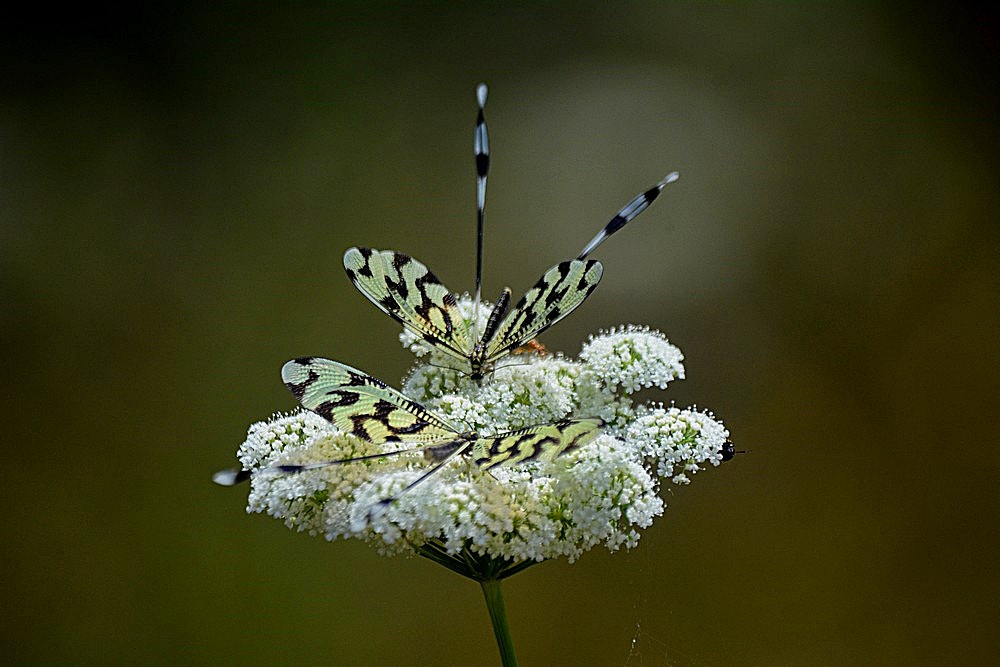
[[557, 293], [361, 405], [535, 443], [407, 291]]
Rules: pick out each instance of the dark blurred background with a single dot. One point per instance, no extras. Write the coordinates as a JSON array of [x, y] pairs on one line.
[[178, 186]]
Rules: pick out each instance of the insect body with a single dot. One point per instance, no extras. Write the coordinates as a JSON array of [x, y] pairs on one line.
[[406, 290], [367, 408]]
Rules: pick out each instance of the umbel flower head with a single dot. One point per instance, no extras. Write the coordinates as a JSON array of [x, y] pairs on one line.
[[489, 524], [426, 471]]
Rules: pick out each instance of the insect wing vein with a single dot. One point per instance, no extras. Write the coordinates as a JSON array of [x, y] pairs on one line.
[[360, 404], [406, 290], [557, 293], [535, 443]]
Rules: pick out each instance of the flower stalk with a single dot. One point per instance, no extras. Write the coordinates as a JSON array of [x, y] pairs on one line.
[[489, 572], [498, 617]]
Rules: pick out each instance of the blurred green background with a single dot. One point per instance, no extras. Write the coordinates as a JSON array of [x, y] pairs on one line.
[[178, 186]]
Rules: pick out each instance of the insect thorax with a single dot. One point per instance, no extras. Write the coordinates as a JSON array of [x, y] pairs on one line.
[[446, 449], [477, 363]]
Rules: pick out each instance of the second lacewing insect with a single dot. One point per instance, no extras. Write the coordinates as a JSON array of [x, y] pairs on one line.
[[367, 408], [406, 290]]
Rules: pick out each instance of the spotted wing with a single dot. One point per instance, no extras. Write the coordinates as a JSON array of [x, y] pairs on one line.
[[406, 290], [535, 443], [362, 405], [554, 296]]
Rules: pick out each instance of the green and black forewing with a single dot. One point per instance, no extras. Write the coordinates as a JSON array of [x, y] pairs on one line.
[[366, 407], [556, 294], [535, 443], [360, 404], [406, 290]]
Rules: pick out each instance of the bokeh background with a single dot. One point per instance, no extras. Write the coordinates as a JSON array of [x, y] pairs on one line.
[[179, 183]]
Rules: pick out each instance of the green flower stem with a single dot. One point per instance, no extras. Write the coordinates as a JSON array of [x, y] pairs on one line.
[[488, 571], [498, 616]]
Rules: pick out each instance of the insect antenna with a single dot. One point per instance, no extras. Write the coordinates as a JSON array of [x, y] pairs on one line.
[[511, 365], [628, 212], [444, 368], [481, 147], [233, 477]]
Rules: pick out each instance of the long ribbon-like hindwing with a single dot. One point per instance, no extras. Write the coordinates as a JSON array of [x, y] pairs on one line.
[[628, 213]]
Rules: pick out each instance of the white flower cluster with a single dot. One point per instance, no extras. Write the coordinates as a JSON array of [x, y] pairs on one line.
[[677, 439], [633, 358], [603, 492]]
